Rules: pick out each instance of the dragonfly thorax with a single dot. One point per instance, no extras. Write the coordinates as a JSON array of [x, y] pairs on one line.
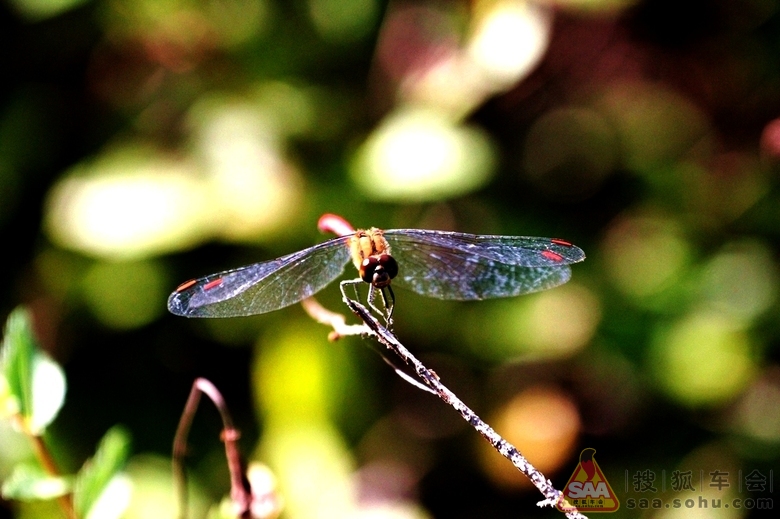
[[366, 243]]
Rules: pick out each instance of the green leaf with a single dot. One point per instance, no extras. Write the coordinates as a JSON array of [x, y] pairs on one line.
[[31, 483], [18, 353], [9, 405], [48, 392], [34, 383], [97, 472]]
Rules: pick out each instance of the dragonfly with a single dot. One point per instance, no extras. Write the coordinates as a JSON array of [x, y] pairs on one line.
[[439, 264]]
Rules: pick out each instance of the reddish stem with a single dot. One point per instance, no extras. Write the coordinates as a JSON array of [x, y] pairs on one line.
[[50, 466], [336, 224], [240, 492]]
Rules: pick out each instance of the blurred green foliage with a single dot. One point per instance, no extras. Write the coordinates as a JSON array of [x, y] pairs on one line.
[[143, 143], [34, 391]]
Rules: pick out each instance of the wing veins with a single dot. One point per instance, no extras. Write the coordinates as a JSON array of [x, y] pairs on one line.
[[265, 286], [454, 266]]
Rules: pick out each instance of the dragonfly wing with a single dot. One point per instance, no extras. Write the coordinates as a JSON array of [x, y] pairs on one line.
[[262, 287], [527, 251], [459, 266]]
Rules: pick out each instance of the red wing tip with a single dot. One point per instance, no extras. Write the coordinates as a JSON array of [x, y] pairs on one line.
[[187, 284], [552, 256], [558, 241], [212, 284]]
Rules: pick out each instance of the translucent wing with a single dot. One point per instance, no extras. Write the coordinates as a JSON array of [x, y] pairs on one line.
[[451, 265], [262, 287]]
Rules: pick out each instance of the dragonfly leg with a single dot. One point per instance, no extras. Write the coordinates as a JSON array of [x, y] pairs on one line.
[[372, 296], [353, 283], [389, 306]]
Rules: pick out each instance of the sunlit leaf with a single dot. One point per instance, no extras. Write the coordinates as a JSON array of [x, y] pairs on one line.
[[96, 474], [9, 405], [19, 349], [114, 500], [35, 384], [48, 384], [28, 483]]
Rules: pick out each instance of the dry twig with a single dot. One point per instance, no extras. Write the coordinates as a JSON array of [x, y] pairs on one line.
[[429, 379]]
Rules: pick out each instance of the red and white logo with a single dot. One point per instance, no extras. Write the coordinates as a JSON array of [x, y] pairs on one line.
[[588, 490]]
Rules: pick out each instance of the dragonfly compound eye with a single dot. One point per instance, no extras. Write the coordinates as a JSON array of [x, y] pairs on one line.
[[389, 264], [378, 270], [367, 268]]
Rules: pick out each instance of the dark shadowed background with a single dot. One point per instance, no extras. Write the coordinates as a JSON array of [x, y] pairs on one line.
[[146, 142]]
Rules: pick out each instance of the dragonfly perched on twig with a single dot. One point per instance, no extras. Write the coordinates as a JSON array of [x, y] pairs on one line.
[[440, 264]]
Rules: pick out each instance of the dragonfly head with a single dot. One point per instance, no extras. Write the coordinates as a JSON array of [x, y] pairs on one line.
[[378, 270]]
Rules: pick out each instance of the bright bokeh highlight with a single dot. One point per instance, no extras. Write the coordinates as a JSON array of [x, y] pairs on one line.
[[544, 423], [135, 201], [433, 59], [509, 39], [702, 360], [299, 379], [740, 282], [313, 466], [645, 254], [129, 203], [419, 155], [291, 374], [254, 189], [125, 295], [552, 324]]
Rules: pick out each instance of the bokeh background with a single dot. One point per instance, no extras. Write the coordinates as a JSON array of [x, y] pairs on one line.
[[146, 142]]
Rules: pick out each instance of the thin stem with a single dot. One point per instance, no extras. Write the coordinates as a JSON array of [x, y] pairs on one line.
[[336, 321], [240, 491], [50, 466], [430, 379]]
